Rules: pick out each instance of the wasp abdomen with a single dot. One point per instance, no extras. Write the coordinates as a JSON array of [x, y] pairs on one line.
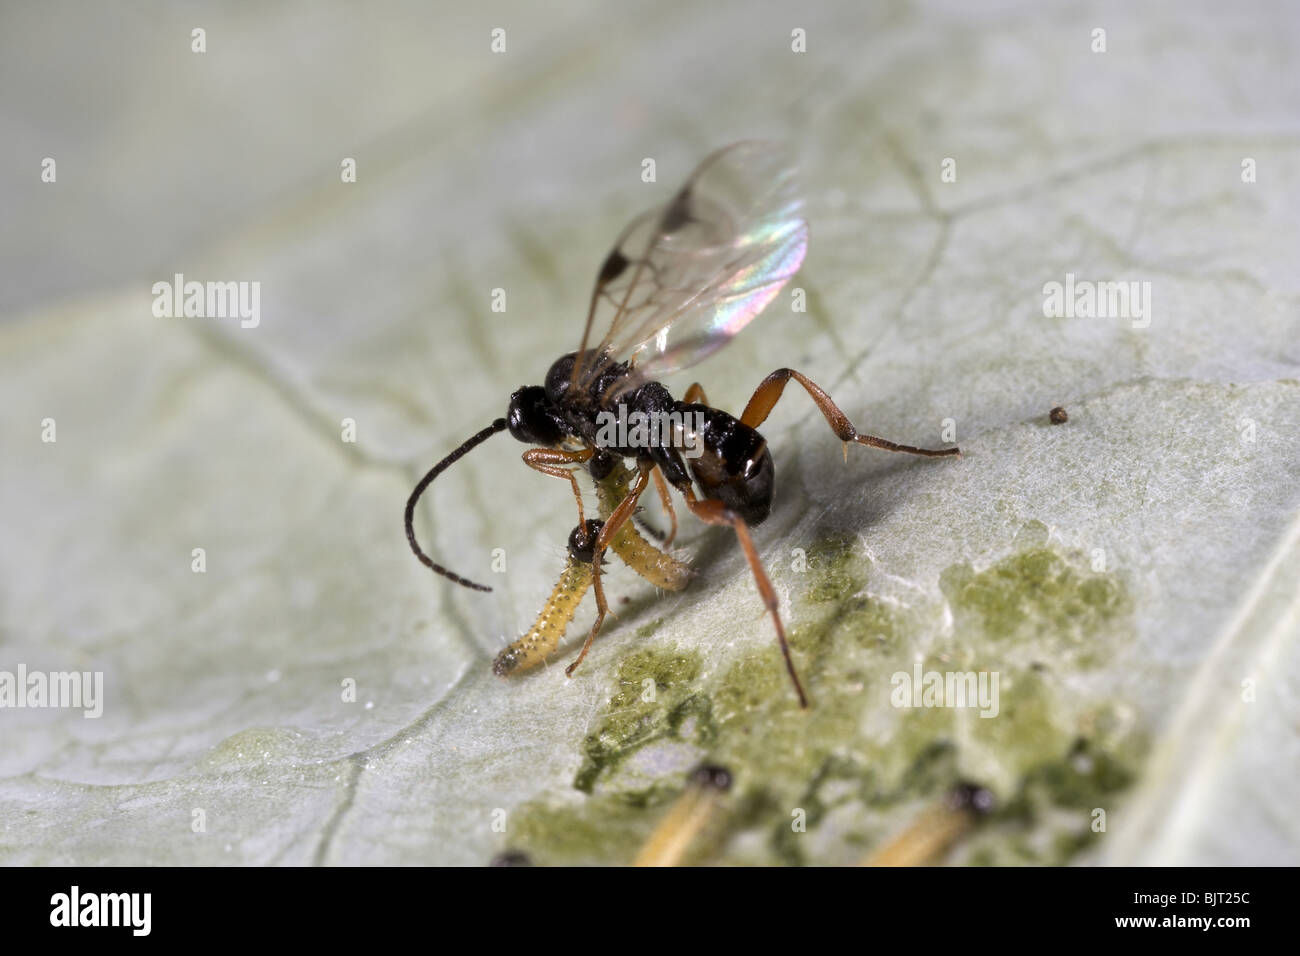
[[734, 465]]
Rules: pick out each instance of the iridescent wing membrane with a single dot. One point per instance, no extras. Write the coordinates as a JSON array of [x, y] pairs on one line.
[[683, 279]]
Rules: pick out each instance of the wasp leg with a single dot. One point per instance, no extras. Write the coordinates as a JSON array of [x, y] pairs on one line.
[[552, 461], [696, 394], [660, 569], [693, 394], [545, 635], [711, 511], [616, 522], [666, 540], [769, 392], [662, 487]]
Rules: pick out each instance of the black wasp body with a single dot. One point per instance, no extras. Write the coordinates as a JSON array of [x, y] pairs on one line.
[[681, 281], [733, 467]]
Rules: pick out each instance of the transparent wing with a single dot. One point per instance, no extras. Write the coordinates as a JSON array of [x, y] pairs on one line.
[[685, 278]]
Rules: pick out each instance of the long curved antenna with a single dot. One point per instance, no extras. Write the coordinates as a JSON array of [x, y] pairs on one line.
[[497, 426]]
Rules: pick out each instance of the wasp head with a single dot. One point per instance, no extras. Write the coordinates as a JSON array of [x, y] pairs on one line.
[[534, 419]]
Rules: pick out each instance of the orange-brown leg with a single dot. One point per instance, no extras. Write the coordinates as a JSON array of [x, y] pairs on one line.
[[715, 512], [769, 392], [658, 567], [696, 394], [693, 394], [667, 502], [616, 520], [555, 462]]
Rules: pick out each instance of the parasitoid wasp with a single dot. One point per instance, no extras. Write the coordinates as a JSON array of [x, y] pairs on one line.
[[680, 282]]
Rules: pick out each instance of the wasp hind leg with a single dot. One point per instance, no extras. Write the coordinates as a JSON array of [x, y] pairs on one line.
[[769, 392], [711, 511], [696, 394]]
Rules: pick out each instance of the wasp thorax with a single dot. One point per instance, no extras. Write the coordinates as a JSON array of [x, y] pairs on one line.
[[560, 376]]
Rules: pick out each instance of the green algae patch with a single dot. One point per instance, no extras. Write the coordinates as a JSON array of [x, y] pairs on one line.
[[837, 573], [657, 692], [1037, 593], [606, 828], [829, 784], [1060, 806]]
